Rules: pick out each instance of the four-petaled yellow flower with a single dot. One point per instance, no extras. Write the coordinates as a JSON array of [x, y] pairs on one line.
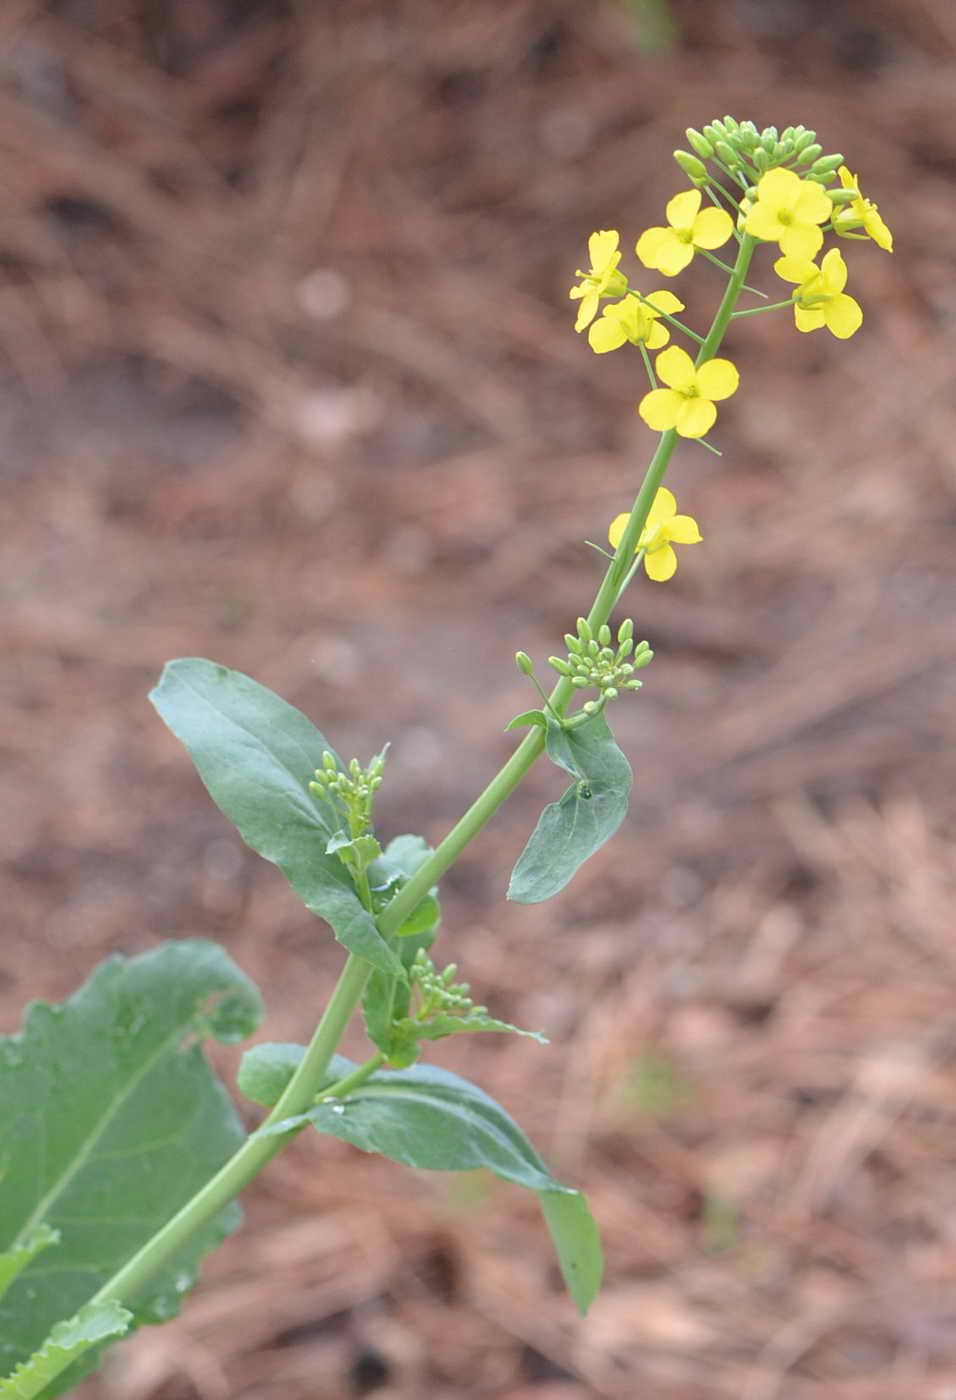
[[860, 211], [688, 403], [602, 278], [821, 300], [669, 250], [788, 211], [633, 320], [663, 528]]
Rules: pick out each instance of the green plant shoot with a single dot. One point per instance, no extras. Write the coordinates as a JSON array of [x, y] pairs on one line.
[[122, 1153]]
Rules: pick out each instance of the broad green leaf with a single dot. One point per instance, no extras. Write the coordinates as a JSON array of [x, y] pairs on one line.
[[266, 1069], [14, 1261], [93, 1325], [576, 1242], [429, 1118], [110, 1120], [571, 830], [256, 755]]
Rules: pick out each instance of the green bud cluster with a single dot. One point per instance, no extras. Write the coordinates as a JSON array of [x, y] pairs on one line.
[[350, 792], [439, 991], [744, 153], [593, 660]]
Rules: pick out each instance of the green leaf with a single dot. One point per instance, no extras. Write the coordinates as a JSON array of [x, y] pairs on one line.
[[577, 1243], [256, 755], [571, 830], [14, 1261], [529, 717], [92, 1326], [266, 1069], [443, 1024], [110, 1120], [429, 1118], [386, 997]]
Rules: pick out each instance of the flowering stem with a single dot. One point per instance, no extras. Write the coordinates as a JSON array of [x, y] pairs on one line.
[[756, 310]]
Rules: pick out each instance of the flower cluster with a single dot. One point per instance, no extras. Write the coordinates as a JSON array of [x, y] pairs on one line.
[[349, 792], [592, 660], [765, 187]]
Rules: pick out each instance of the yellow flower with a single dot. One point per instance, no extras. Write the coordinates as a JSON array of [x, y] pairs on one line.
[[688, 404], [787, 211], [860, 211], [663, 528], [821, 300], [601, 279], [633, 320], [669, 250]]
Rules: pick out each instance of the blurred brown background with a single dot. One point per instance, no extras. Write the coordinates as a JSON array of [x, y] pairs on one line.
[[288, 379]]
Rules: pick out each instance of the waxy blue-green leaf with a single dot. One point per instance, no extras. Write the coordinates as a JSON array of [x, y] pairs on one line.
[[69, 1341], [526, 718], [429, 1118], [256, 755], [14, 1261], [570, 830], [110, 1120]]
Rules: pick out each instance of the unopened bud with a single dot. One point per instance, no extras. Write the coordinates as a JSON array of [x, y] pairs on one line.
[[562, 667], [725, 153], [809, 154], [761, 159], [842, 196], [604, 634], [699, 143], [626, 631], [524, 663], [584, 629], [825, 164], [693, 168], [802, 138]]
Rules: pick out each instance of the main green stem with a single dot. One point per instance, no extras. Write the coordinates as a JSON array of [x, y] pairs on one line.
[[308, 1079]]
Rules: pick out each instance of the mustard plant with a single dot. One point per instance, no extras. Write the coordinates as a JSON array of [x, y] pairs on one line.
[[122, 1154]]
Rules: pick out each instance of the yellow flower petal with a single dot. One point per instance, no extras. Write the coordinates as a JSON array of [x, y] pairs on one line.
[[843, 316], [717, 379], [682, 209], [606, 334], [799, 270], [778, 186], [682, 529], [813, 205], [661, 564], [657, 336], [876, 228], [675, 367], [833, 269], [808, 318], [660, 407], [695, 417], [616, 529], [587, 310], [665, 301], [649, 242], [762, 222], [712, 228], [673, 256], [662, 508], [800, 240], [601, 248]]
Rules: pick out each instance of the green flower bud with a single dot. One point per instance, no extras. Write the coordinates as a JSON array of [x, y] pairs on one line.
[[803, 138], [643, 659], [825, 164], [842, 196], [693, 168], [328, 762], [713, 132], [731, 124], [626, 631], [524, 663], [761, 159], [633, 685], [604, 635], [573, 644], [562, 667], [579, 682], [699, 143], [809, 154], [726, 154], [768, 139], [584, 629]]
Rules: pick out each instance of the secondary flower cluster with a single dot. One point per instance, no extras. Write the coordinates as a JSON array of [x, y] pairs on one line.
[[781, 197]]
